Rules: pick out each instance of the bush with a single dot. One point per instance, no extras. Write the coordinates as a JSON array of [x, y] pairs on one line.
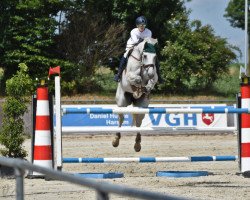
[[12, 133], [228, 84]]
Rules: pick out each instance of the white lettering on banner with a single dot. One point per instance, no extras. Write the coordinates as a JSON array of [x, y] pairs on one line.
[[115, 116], [110, 122], [99, 116]]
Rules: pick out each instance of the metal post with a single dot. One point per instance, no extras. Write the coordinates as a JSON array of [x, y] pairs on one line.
[[34, 102], [19, 184]]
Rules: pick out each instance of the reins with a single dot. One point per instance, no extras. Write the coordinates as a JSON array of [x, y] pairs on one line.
[[135, 57]]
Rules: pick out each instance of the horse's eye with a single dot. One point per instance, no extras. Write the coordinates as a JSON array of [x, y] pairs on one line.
[[145, 56]]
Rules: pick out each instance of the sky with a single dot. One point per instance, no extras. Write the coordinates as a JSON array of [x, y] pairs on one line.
[[211, 12]]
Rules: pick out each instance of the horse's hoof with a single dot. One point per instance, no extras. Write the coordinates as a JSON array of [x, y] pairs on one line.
[[137, 147], [115, 143]]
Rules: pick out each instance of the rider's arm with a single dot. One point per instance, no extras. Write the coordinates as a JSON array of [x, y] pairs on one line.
[[133, 36], [149, 33]]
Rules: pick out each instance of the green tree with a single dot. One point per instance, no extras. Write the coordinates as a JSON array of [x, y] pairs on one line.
[[158, 12], [92, 46], [194, 57], [29, 28], [235, 13], [89, 38], [18, 88]]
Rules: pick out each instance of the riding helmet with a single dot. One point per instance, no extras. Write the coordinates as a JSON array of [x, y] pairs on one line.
[[141, 20]]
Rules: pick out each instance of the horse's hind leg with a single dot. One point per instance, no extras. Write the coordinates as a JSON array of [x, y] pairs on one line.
[[137, 120], [137, 145], [116, 141]]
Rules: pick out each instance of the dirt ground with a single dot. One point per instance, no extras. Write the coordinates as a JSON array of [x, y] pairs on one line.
[[223, 181]]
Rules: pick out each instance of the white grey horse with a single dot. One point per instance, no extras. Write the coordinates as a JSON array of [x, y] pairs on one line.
[[138, 79]]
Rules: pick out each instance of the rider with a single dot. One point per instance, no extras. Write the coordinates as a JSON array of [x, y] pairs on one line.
[[136, 36]]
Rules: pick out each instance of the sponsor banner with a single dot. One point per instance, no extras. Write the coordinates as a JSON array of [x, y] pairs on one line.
[[150, 120]]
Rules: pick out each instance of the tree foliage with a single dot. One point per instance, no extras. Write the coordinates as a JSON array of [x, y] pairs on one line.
[[28, 35], [88, 42], [235, 13], [194, 57], [83, 35], [158, 12]]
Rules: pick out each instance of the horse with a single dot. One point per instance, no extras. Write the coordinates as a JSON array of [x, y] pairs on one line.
[[137, 81]]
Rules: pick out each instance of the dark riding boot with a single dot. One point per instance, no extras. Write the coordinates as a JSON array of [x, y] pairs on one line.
[[122, 66], [157, 64]]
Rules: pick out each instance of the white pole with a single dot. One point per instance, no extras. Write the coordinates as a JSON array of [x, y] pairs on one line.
[[58, 127], [151, 130], [246, 39]]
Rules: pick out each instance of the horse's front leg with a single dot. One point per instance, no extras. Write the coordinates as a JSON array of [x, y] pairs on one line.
[[150, 85], [116, 141]]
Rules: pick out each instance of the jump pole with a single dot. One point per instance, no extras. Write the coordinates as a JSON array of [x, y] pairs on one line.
[[138, 110], [145, 130], [151, 159]]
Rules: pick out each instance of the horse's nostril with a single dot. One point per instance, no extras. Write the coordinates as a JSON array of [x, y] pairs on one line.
[[150, 76]]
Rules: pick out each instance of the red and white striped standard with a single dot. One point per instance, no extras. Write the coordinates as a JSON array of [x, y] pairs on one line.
[[245, 129], [42, 142]]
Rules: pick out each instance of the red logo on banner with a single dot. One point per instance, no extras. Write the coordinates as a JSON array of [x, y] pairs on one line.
[[208, 118]]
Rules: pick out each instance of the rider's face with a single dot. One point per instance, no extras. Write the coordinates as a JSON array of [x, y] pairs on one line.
[[141, 27]]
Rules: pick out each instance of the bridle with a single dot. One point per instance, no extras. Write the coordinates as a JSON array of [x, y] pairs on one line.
[[141, 61], [140, 89]]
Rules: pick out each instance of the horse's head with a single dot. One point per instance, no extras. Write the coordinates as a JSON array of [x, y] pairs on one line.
[[141, 67], [142, 62]]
